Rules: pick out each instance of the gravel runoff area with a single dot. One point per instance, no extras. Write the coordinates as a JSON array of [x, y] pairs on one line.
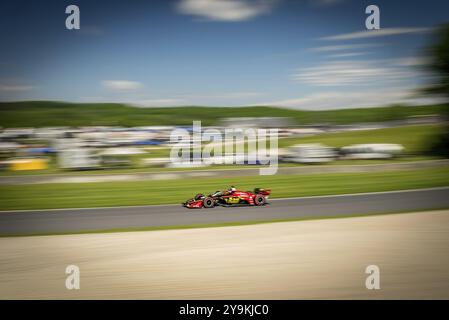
[[285, 260]]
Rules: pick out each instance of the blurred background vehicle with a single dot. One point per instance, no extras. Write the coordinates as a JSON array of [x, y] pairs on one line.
[[371, 151], [110, 147], [310, 153]]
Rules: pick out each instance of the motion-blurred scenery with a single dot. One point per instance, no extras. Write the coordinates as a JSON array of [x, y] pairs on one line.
[[87, 117]]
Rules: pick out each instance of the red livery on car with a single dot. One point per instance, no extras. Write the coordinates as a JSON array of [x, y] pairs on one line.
[[230, 197]]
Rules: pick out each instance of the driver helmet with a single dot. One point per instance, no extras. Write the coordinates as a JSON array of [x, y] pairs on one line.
[[232, 189], [199, 196]]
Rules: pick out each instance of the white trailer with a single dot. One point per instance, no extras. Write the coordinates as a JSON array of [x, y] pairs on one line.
[[309, 153]]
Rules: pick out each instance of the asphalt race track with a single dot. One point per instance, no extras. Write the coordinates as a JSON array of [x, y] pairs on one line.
[[73, 220]]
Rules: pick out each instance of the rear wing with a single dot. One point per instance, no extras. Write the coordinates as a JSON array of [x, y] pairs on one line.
[[262, 191]]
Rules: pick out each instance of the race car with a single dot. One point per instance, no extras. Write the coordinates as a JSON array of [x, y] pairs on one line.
[[228, 198]]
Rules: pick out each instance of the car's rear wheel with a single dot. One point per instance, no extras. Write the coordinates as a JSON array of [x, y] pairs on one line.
[[208, 203], [259, 200]]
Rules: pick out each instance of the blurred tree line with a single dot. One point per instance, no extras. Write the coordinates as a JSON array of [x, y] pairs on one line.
[[439, 65]]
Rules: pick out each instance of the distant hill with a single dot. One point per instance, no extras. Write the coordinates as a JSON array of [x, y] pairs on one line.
[[52, 113]]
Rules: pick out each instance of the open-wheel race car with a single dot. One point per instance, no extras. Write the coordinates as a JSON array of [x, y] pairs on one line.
[[228, 198]]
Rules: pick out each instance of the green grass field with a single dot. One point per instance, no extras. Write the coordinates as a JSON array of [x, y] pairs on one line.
[[52, 113], [415, 139], [175, 191]]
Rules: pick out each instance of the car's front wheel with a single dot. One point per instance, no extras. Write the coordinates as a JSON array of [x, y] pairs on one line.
[[259, 200], [208, 203]]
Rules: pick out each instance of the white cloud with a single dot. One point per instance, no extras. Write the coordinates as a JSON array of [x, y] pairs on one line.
[[325, 3], [14, 88], [225, 10], [122, 85], [412, 61], [376, 33], [142, 99], [214, 98], [347, 72], [138, 102], [343, 47], [224, 95], [347, 54], [156, 102], [358, 99]]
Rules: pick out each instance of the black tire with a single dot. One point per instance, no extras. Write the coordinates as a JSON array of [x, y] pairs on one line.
[[208, 202], [259, 200]]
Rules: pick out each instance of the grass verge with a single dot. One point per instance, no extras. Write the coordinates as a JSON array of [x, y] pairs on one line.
[[106, 194]]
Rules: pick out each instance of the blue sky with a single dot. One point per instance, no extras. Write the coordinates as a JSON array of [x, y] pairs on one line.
[[309, 54]]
